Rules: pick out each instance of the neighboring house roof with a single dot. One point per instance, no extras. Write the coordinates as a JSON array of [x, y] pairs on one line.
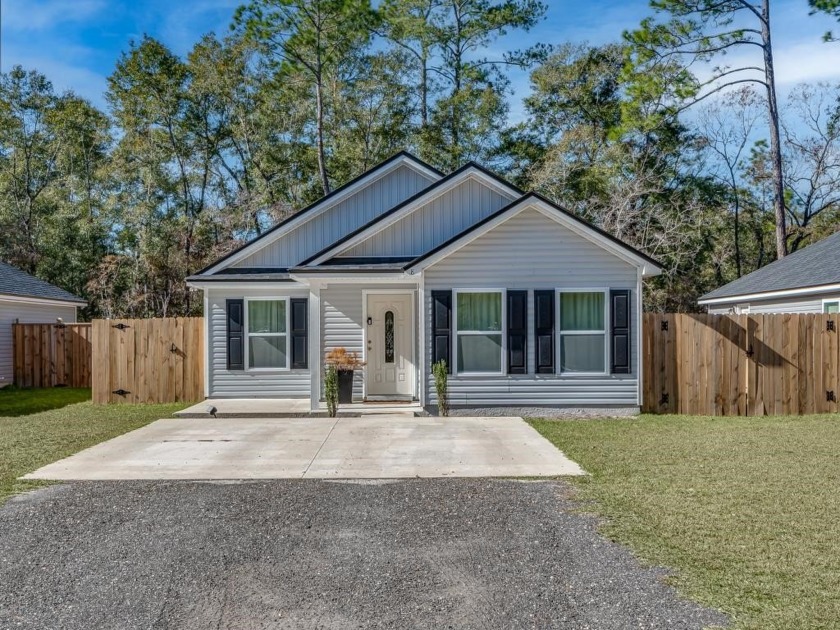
[[551, 209], [18, 283], [812, 267], [302, 215]]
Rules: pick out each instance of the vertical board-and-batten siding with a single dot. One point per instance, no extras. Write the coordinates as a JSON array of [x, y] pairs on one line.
[[342, 312], [25, 312], [339, 220], [226, 383], [531, 251], [806, 304], [435, 222]]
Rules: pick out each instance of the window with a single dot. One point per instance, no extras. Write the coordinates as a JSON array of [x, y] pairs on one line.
[[268, 336], [583, 335], [389, 337], [479, 325], [831, 306]]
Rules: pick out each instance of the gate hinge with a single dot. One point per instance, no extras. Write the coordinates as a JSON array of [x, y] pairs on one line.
[[829, 325], [829, 396], [663, 325], [664, 399], [120, 326], [120, 392]]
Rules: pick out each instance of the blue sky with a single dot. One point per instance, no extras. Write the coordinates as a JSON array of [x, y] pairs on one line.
[[77, 42]]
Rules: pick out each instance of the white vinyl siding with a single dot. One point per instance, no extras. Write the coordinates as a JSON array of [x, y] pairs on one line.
[[531, 251], [339, 220], [26, 313], [226, 383], [806, 304], [434, 222]]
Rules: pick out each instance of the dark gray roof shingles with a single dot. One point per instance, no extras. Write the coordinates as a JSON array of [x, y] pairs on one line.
[[15, 282], [813, 266]]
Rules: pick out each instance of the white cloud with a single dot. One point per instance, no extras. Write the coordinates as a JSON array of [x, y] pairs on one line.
[[807, 61], [33, 15]]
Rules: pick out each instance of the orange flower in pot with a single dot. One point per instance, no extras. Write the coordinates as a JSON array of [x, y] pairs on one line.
[[344, 363]]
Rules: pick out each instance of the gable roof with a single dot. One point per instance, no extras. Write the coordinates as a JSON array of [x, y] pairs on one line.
[[406, 207], [18, 283], [813, 266], [591, 232], [300, 217]]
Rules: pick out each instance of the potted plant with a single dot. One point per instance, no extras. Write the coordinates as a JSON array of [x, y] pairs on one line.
[[344, 363]]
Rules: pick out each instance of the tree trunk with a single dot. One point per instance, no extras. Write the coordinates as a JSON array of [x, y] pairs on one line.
[[322, 160], [775, 145]]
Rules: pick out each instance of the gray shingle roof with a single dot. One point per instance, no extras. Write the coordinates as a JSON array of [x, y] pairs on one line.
[[13, 281], [816, 265]]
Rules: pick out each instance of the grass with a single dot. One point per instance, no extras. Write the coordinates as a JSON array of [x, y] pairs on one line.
[[40, 426], [746, 510], [22, 402]]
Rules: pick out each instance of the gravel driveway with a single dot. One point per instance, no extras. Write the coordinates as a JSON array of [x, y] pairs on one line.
[[319, 554]]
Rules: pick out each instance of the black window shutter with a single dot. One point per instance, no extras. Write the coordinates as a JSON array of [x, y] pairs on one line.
[[620, 331], [442, 327], [517, 331], [544, 331], [299, 333], [235, 334]]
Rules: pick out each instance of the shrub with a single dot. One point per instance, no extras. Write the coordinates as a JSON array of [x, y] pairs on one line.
[[331, 390], [441, 386]]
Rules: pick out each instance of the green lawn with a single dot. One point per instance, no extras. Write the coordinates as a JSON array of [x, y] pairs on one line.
[[745, 510], [40, 426]]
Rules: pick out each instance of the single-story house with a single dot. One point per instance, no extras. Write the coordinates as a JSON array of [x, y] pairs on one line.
[[530, 306], [27, 299], [806, 281]]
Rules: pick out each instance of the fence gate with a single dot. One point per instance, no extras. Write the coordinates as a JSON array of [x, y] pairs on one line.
[[51, 355], [747, 365], [148, 360]]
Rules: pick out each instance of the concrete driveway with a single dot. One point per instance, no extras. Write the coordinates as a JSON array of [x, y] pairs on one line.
[[320, 448]]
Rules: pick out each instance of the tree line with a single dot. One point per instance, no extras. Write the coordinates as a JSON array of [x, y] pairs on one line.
[[708, 170]]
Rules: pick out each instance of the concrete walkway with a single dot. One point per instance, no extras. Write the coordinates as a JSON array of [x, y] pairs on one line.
[[320, 448]]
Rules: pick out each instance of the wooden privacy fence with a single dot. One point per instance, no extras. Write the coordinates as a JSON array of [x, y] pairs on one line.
[[51, 355], [747, 365], [148, 360]]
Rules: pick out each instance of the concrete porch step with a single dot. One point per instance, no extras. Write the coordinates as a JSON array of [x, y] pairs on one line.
[[293, 408]]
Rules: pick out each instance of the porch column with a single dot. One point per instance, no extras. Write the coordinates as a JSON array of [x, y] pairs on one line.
[[315, 358]]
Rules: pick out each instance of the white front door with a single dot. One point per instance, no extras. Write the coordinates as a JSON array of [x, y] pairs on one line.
[[390, 346]]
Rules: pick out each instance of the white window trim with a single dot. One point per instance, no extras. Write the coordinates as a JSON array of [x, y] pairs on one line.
[[558, 325], [829, 301], [456, 332], [286, 334]]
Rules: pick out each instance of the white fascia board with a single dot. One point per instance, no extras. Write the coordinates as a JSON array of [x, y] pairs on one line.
[[24, 299], [769, 295], [359, 278], [233, 284], [430, 196], [648, 269], [296, 222]]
